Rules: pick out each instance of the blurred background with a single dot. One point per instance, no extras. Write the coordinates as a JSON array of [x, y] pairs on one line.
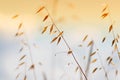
[[77, 18]]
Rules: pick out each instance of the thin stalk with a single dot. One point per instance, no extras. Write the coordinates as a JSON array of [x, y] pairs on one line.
[[31, 58], [113, 33], [67, 45], [89, 60], [106, 75]]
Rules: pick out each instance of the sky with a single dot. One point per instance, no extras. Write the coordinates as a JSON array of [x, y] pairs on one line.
[[77, 18]]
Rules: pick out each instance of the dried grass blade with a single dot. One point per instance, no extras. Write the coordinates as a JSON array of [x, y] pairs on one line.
[[20, 49], [32, 67], [40, 9], [22, 57], [54, 39], [17, 76], [60, 34], [59, 40], [104, 15], [104, 9], [15, 16], [93, 53], [20, 25], [110, 28], [85, 38], [51, 28], [110, 60], [77, 68], [45, 18], [90, 43], [93, 61], [116, 72], [115, 47], [103, 40], [70, 52], [94, 70], [21, 64], [113, 42], [45, 28], [25, 77]]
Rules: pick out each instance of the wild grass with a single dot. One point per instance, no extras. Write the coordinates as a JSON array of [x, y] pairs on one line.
[[59, 36], [23, 59]]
